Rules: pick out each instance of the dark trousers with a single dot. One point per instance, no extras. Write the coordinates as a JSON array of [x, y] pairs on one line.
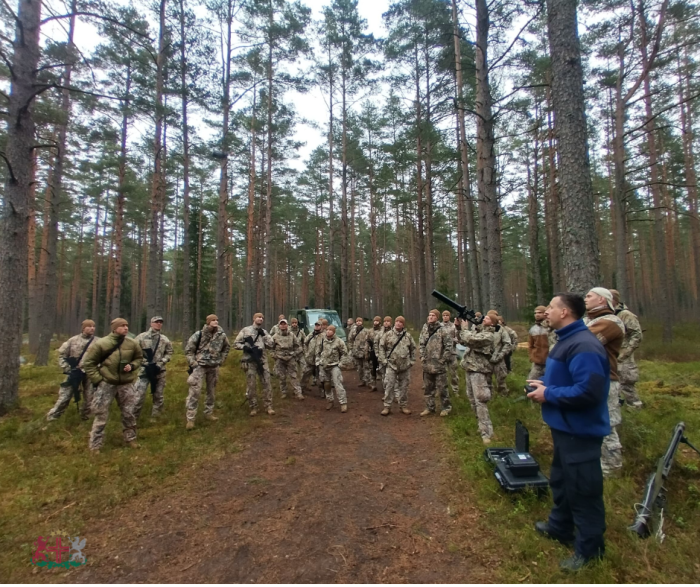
[[576, 480]]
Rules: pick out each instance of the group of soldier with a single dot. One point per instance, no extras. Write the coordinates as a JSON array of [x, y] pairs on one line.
[[120, 368]]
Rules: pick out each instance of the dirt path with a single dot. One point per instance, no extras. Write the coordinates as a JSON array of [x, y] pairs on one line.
[[316, 496]]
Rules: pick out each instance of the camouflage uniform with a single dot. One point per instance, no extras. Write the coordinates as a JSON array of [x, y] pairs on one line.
[[398, 363], [74, 348], [300, 337], [513, 345], [206, 351], [360, 352], [611, 338], [164, 352], [286, 351], [552, 335], [309, 361], [453, 363], [627, 369], [374, 336], [435, 352], [263, 341], [329, 353], [502, 346], [477, 363], [106, 371]]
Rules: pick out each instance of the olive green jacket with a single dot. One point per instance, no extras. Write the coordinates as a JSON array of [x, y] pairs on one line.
[[98, 366]]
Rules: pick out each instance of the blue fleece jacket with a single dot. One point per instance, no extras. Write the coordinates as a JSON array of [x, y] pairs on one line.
[[577, 378]]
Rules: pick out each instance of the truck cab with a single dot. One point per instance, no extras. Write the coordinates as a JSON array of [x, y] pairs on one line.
[[307, 317]]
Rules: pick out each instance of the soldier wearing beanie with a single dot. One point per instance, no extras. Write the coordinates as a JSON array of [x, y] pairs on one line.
[[286, 352], [627, 369], [112, 363], [397, 354], [502, 346], [452, 366], [373, 338], [255, 341], [157, 350], [538, 344], [329, 354], [610, 331], [205, 352], [70, 356], [435, 353], [360, 351]]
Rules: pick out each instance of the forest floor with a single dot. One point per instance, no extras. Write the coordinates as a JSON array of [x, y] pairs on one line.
[[314, 496]]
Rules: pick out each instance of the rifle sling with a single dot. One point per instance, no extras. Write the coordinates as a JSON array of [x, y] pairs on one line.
[[396, 344]]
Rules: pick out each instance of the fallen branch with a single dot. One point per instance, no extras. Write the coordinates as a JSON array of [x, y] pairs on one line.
[[59, 511], [382, 526]]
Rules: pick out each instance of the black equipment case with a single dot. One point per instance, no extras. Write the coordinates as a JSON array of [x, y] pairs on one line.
[[516, 469]]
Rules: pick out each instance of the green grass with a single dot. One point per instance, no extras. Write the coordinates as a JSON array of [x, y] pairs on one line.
[[671, 392], [49, 483]]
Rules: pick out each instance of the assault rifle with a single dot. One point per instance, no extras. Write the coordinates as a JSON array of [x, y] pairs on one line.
[[152, 370], [655, 492], [463, 312], [75, 377], [255, 353]]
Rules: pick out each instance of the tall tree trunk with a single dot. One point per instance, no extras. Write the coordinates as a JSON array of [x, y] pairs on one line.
[[465, 184], [158, 182], [186, 277], [250, 215], [48, 306], [32, 288], [533, 217], [420, 248], [119, 208], [269, 299], [344, 279], [429, 237], [579, 242], [552, 205], [486, 159], [14, 220]]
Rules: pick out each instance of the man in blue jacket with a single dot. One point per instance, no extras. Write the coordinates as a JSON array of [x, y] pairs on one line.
[[574, 397]]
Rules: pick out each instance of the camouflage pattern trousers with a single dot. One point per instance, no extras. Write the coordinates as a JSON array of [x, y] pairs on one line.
[[536, 372], [158, 398], [500, 371], [363, 370], [479, 394], [64, 396], [396, 387], [307, 373], [195, 381], [251, 383], [434, 384], [629, 375], [453, 374], [284, 369], [611, 452], [333, 376], [102, 398]]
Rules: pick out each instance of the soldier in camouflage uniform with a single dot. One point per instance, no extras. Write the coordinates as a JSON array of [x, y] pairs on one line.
[[478, 366], [453, 365], [435, 352], [286, 352], [538, 344], [373, 364], [360, 352], [502, 346], [397, 353], [299, 333], [350, 331], [263, 341], [513, 344], [162, 353], [112, 363], [205, 352], [276, 328], [627, 369], [329, 352], [74, 348], [610, 331], [309, 361]]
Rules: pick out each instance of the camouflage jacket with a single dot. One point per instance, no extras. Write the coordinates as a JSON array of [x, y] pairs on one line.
[[502, 345], [633, 335], [299, 333], [164, 348], [513, 338], [329, 352], [262, 340], [403, 355], [351, 334], [105, 361], [374, 338], [435, 349], [552, 336], [360, 345], [207, 348], [73, 347], [274, 330], [287, 346], [480, 344], [450, 327], [310, 343]]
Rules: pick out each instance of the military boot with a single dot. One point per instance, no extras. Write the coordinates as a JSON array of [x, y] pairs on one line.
[[210, 417], [190, 425], [270, 412], [344, 408], [253, 412], [329, 405], [386, 411], [406, 411], [132, 444], [444, 413], [426, 412]]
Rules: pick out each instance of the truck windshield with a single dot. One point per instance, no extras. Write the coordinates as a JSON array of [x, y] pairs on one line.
[[332, 318]]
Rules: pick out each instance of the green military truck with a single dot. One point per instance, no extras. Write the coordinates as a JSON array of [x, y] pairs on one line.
[[307, 317]]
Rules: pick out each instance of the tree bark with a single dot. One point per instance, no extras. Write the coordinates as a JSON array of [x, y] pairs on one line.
[[186, 277], [533, 216], [579, 242]]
